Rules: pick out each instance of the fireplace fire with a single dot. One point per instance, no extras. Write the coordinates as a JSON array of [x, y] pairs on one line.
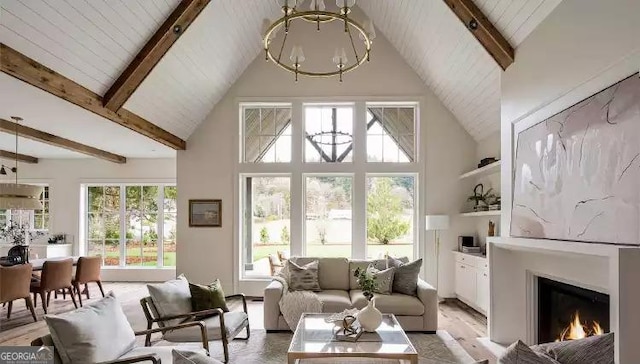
[[568, 312], [578, 330]]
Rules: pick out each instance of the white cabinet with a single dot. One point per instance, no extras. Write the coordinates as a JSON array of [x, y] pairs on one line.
[[42, 250], [472, 280]]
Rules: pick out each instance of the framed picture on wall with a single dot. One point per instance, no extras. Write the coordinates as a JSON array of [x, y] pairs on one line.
[[205, 213]]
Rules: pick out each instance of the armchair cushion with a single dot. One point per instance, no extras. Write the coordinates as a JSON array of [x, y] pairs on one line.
[[93, 333], [234, 321], [189, 357], [207, 297], [171, 298], [164, 352]]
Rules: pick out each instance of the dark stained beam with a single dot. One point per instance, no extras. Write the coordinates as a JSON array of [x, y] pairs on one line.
[[26, 69], [484, 31], [159, 44], [5, 154], [40, 136]]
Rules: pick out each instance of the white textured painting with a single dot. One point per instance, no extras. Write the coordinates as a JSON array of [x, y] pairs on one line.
[[577, 174]]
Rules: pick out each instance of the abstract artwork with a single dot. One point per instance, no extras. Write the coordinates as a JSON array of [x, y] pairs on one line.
[[577, 174]]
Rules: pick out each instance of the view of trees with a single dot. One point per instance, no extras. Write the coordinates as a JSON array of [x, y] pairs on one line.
[[385, 220], [140, 219]]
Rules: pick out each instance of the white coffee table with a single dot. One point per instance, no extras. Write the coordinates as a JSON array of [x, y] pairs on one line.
[[313, 338]]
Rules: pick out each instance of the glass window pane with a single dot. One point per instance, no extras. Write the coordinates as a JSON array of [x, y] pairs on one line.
[[112, 252], [169, 239], [328, 133], [150, 241], [328, 213], [95, 197], [267, 232], [396, 127], [264, 134], [390, 216]]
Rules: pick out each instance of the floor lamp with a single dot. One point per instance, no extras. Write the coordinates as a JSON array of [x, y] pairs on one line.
[[437, 223]]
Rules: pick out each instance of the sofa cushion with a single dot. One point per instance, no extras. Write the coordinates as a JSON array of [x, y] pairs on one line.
[[93, 333], [333, 273], [395, 303], [303, 277], [171, 298], [405, 279], [593, 350], [383, 279], [520, 353], [334, 300], [380, 264]]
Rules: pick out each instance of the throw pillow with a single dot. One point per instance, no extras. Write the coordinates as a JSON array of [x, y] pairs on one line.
[[405, 280], [189, 357], [384, 279], [207, 297], [94, 333], [520, 353], [171, 298], [593, 350], [303, 278]]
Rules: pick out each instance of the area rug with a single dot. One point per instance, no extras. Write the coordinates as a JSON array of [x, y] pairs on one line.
[[439, 348]]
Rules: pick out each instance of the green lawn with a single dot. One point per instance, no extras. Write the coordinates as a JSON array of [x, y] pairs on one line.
[[169, 257]]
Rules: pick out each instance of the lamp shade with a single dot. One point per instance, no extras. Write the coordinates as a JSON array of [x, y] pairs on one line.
[[20, 196], [436, 222]]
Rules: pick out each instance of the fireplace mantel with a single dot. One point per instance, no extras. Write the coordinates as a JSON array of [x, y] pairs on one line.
[[515, 264]]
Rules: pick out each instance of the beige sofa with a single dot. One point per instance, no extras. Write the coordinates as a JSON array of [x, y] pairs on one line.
[[340, 291]]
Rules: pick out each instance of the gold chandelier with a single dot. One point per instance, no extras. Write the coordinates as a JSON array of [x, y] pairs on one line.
[[19, 196], [318, 14]]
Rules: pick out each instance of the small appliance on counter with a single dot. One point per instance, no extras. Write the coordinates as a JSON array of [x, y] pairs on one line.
[[472, 249], [466, 241]]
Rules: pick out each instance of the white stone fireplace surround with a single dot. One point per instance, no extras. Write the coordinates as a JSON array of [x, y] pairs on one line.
[[515, 264]]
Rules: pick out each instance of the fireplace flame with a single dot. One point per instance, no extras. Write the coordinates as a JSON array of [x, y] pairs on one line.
[[576, 330]]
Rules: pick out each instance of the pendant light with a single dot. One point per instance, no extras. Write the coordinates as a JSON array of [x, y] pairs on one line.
[[19, 196]]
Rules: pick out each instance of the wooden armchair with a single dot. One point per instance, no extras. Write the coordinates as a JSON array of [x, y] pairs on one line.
[[148, 356], [14, 285], [220, 325]]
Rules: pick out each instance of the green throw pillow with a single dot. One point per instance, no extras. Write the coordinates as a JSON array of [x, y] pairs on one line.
[[207, 297]]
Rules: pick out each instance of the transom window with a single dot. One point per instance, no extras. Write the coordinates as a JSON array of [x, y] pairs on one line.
[[331, 184]]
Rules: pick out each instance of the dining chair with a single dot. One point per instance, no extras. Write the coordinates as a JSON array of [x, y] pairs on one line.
[[56, 275], [87, 270], [14, 285]]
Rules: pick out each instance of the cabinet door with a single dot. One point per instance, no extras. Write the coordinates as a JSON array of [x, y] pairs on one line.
[[466, 281], [483, 290]]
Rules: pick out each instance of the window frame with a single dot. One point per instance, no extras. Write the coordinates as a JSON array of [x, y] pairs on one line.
[[123, 224], [359, 168]]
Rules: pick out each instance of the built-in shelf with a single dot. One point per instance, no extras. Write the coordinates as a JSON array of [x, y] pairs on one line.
[[484, 171], [481, 213]]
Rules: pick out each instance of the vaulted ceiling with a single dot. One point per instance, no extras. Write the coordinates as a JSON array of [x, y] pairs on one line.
[[92, 42]]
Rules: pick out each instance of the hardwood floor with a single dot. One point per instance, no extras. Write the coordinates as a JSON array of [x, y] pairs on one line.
[[463, 323]]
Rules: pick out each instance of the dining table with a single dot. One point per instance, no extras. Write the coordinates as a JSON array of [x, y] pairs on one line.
[[37, 264]]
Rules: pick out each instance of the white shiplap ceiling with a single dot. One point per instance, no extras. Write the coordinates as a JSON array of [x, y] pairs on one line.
[[447, 56], [92, 42]]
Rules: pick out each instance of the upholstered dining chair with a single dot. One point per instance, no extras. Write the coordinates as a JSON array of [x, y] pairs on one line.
[[87, 270], [56, 275], [14, 285]]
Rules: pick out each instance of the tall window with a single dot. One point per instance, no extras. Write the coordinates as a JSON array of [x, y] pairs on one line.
[[35, 219], [131, 225], [267, 224], [334, 182], [328, 212]]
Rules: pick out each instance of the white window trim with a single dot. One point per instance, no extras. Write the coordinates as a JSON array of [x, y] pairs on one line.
[[359, 169], [123, 229]]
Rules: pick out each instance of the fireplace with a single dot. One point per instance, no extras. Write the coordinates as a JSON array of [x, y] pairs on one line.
[[567, 312]]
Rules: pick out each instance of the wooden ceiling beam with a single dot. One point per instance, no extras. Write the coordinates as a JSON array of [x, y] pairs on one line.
[[43, 137], [5, 154], [152, 52], [484, 31], [28, 70]]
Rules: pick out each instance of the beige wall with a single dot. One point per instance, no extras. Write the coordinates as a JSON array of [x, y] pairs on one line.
[[583, 47], [206, 168]]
